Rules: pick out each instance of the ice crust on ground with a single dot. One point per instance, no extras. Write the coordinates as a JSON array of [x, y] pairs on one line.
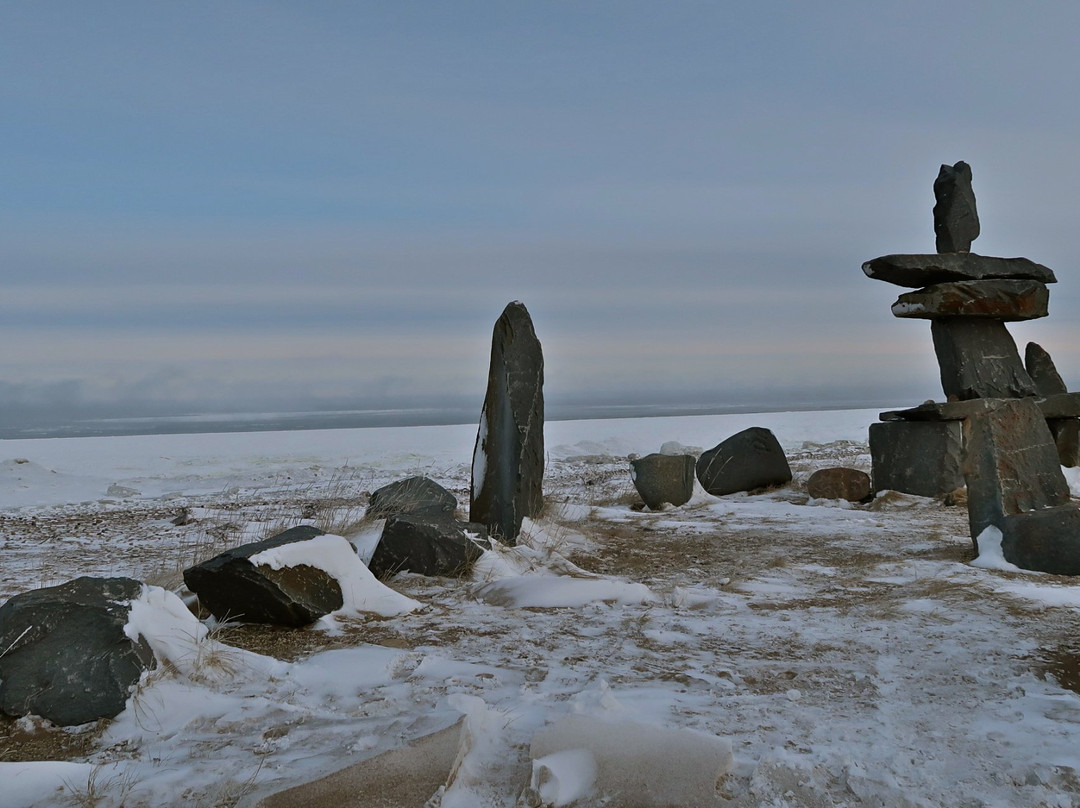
[[850, 656]]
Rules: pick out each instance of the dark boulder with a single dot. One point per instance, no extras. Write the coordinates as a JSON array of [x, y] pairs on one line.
[[508, 460], [663, 479], [750, 459], [234, 588], [956, 221], [839, 483], [917, 270], [428, 545], [1006, 300], [978, 359], [63, 651], [917, 457], [411, 495]]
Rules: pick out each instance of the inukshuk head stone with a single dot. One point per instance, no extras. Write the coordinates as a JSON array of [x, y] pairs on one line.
[[956, 221]]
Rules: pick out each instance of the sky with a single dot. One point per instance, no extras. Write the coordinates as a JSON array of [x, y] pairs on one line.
[[240, 205]]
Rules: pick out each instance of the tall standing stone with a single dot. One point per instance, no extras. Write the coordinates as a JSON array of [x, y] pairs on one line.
[[508, 460], [956, 221]]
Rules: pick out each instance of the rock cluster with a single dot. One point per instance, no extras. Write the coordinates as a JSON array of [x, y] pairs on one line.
[[1006, 423]]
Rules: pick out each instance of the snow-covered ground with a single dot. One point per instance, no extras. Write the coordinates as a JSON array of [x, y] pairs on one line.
[[842, 655]]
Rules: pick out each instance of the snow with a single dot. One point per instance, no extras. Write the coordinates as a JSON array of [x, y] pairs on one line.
[[800, 653], [991, 556]]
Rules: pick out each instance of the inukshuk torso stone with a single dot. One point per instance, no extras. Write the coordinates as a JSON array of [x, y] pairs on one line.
[[508, 461]]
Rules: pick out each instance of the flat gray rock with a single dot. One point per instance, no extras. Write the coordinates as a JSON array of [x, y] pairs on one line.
[[65, 656], [1006, 300], [919, 270]]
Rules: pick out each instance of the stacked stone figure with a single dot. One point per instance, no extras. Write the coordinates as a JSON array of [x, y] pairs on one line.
[[1003, 418]]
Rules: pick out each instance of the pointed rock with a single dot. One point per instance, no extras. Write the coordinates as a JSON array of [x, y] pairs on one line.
[[956, 221], [508, 460], [1066, 431]]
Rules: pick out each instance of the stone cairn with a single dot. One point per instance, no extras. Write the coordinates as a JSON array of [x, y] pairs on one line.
[[1006, 426]]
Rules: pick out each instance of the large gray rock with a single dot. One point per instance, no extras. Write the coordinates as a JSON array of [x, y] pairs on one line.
[[1010, 464], [233, 588], [1007, 300], [747, 460], [508, 460], [63, 651], [1048, 381], [428, 545], [978, 359], [663, 479], [956, 221], [839, 483], [411, 495], [917, 457], [918, 270], [1047, 540]]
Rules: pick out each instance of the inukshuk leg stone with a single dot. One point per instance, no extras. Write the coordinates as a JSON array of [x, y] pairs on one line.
[[508, 460], [1048, 381]]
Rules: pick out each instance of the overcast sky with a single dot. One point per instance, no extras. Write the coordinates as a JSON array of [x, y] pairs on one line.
[[230, 203]]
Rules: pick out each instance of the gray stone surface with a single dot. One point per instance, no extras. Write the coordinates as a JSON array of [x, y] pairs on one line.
[[839, 483], [1010, 464], [917, 457], [978, 359], [956, 220], [427, 545], [233, 588], [411, 495], [1047, 540], [747, 460], [1048, 381], [508, 460], [1006, 300], [664, 479], [918, 270], [63, 651]]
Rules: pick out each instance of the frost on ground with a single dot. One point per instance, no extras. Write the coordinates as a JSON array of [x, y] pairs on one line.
[[842, 655]]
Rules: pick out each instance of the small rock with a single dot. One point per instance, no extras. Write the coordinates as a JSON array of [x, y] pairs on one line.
[[428, 545], [750, 459], [839, 483], [663, 479], [411, 495]]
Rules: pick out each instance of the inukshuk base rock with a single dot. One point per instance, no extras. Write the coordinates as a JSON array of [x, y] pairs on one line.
[[1016, 493], [508, 461]]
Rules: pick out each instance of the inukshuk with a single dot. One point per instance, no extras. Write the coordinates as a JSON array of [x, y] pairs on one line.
[[991, 434]]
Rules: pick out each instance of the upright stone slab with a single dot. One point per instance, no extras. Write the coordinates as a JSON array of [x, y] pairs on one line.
[[978, 359], [1048, 381], [956, 221], [917, 457], [1010, 464], [508, 460]]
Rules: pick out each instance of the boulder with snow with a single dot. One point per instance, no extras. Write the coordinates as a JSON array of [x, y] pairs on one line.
[[663, 479], [428, 545], [747, 460], [508, 459], [64, 654], [411, 495], [234, 588], [839, 483]]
